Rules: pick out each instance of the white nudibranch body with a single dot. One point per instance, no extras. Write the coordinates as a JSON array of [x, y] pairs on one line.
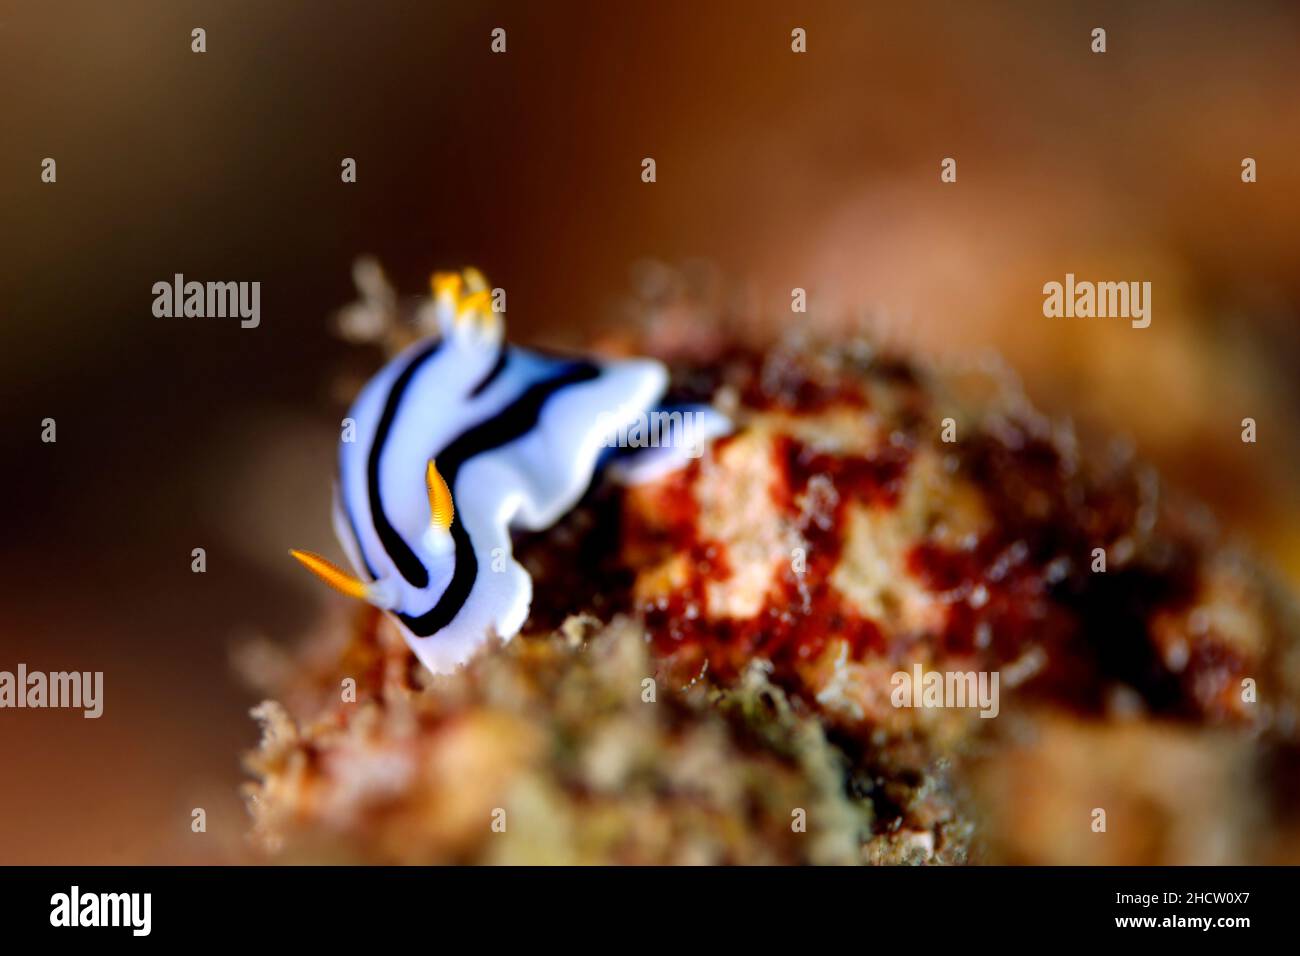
[[458, 440]]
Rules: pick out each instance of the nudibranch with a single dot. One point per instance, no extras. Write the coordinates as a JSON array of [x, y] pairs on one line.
[[459, 439]]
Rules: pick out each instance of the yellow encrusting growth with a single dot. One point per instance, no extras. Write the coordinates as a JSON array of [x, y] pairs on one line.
[[332, 574], [440, 505]]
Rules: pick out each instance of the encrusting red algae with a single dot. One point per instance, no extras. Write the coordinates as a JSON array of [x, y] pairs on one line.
[[1017, 585]]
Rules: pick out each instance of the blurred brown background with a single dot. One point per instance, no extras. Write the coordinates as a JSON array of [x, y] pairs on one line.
[[820, 171]]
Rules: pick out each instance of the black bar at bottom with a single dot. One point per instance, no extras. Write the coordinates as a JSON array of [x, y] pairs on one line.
[[253, 906]]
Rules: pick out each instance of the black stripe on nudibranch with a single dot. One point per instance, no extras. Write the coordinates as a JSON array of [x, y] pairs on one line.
[[410, 566], [494, 372], [356, 539], [515, 421]]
